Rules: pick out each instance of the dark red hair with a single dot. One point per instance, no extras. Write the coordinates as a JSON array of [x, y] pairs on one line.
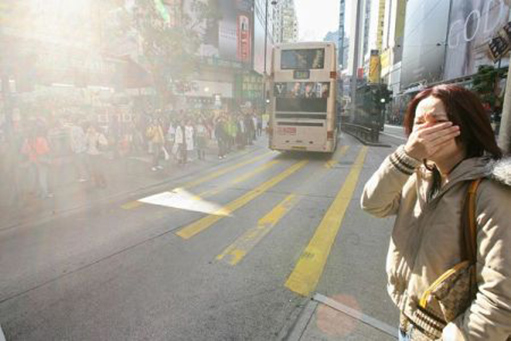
[[464, 109]]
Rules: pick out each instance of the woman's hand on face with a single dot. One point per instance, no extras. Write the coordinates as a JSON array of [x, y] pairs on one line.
[[428, 138]]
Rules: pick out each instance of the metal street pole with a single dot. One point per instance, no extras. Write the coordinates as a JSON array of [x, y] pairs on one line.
[[265, 52], [505, 122], [356, 44], [342, 15]]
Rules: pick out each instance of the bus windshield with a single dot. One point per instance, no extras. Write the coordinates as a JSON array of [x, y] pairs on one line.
[[303, 59]]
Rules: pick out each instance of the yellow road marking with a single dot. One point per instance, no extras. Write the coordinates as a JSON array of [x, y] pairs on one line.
[[237, 250], [135, 204], [331, 163], [206, 222], [308, 271], [131, 205], [223, 171], [244, 177]]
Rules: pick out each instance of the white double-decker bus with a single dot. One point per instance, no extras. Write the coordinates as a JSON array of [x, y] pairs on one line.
[[303, 91]]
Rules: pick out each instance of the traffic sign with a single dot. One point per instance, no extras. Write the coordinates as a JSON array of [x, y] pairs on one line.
[[501, 43]]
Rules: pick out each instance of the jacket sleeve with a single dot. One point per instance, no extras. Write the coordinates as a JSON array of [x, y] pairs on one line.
[[489, 316], [382, 192]]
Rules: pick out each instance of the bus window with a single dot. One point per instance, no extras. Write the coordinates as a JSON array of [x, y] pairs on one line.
[[302, 59], [301, 104]]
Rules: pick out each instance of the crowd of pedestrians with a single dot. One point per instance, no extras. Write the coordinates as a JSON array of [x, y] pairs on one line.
[[85, 144], [236, 132], [181, 139]]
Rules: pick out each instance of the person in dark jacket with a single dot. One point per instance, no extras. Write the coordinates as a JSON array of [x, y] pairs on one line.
[[221, 137]]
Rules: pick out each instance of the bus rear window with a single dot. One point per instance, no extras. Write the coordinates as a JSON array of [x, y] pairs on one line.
[[304, 59], [301, 104]]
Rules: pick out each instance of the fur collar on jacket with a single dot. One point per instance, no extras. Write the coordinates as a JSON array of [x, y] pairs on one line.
[[500, 171]]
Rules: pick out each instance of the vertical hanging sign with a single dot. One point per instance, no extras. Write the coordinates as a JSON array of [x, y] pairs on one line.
[[244, 39]]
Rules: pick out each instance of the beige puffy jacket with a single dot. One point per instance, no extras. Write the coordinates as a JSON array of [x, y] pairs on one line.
[[425, 239]]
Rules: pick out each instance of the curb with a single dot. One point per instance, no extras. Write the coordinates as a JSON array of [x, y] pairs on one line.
[[366, 319], [298, 328], [367, 143], [301, 325]]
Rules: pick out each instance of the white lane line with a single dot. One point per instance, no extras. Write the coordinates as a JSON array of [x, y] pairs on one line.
[[394, 136], [2, 336], [382, 326]]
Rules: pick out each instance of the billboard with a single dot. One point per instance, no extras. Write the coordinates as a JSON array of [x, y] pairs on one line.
[[423, 48], [302, 90], [374, 67], [230, 36], [472, 25]]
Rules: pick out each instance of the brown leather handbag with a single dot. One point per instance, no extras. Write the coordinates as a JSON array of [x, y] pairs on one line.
[[453, 292]]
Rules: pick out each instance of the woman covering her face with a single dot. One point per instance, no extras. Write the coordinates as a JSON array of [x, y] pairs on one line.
[[424, 184]]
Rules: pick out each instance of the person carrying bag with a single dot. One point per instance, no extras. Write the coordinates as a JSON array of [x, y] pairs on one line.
[[449, 260]]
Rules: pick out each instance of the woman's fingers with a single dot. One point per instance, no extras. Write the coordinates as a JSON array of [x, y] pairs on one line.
[[439, 146], [445, 138], [428, 136], [428, 130], [445, 132]]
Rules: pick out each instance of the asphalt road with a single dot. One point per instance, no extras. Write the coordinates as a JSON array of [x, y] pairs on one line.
[[395, 134], [233, 253]]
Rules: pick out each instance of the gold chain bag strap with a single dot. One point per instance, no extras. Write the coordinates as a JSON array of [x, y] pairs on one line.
[[453, 292]]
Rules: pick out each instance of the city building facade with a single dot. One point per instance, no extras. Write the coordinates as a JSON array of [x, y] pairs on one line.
[[285, 22], [59, 55], [93, 58], [392, 43], [236, 55], [427, 43], [452, 45]]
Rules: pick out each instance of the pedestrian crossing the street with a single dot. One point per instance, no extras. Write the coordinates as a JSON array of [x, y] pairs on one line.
[[308, 269]]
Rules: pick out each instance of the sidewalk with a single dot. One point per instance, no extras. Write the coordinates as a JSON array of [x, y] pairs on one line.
[[324, 319], [125, 177]]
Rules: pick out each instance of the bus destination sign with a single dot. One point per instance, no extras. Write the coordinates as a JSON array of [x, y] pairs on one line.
[[301, 74]]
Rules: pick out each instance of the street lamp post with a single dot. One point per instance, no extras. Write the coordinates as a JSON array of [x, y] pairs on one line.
[[355, 59], [273, 2]]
